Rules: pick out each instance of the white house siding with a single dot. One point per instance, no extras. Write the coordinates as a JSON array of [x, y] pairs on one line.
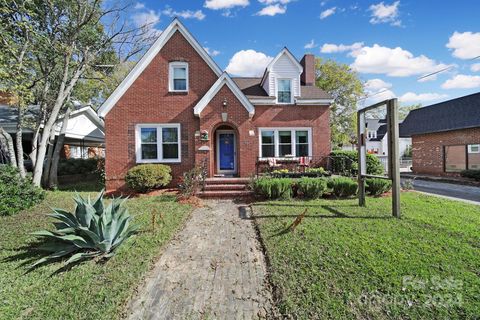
[[284, 68]]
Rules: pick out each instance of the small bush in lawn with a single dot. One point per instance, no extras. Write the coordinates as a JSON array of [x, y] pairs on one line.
[[145, 177], [273, 188], [192, 181], [343, 186], [311, 188], [16, 193], [473, 174], [376, 186]]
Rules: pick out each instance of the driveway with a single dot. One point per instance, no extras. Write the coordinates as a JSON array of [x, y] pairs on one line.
[[456, 191], [213, 269]]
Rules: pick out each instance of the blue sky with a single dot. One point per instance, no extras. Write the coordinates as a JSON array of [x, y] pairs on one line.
[[391, 43]]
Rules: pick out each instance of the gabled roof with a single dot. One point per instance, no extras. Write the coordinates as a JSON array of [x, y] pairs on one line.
[[286, 52], [460, 113], [224, 80], [176, 25]]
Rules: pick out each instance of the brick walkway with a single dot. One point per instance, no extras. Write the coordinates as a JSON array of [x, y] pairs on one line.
[[213, 269]]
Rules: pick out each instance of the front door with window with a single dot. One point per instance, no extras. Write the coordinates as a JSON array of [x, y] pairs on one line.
[[226, 151]]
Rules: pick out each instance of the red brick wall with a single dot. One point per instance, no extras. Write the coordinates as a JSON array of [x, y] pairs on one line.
[[427, 149], [148, 101]]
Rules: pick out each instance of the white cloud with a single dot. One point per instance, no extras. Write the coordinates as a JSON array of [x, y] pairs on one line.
[[212, 52], [149, 18], [475, 67], [186, 14], [327, 13], [384, 13], [465, 45], [411, 97], [429, 78], [374, 85], [139, 5], [462, 81], [272, 10], [395, 62], [334, 48], [268, 2], [225, 4], [248, 63], [310, 45]]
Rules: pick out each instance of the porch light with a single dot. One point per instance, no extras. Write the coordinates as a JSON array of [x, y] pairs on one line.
[[225, 102]]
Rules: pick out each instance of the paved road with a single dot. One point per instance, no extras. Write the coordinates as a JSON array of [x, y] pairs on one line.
[[213, 269], [461, 192]]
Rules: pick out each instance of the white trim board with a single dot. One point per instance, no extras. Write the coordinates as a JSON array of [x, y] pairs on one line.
[[176, 25], [224, 79], [289, 55]]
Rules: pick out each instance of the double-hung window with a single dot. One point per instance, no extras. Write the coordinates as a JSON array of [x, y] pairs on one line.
[[158, 143], [178, 76], [284, 90], [285, 142]]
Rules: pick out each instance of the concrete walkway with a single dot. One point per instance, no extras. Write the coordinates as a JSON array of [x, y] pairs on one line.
[[213, 269]]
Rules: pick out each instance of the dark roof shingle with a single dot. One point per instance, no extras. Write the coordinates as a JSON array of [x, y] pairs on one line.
[[460, 113]]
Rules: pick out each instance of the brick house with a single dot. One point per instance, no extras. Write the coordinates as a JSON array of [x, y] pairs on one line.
[[445, 136], [177, 107]]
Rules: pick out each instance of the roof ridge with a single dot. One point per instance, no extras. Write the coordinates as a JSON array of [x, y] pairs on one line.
[[446, 101]]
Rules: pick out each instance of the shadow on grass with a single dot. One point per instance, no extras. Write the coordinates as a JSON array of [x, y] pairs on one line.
[[83, 186]]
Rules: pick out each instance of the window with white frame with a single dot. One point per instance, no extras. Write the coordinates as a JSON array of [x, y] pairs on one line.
[[285, 142], [371, 134], [284, 90], [474, 148], [158, 143], [178, 76]]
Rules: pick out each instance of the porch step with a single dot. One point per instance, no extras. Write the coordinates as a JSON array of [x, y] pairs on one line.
[[211, 181], [232, 194], [212, 187]]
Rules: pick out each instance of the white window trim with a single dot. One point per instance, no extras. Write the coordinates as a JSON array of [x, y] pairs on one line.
[[470, 148], [291, 90], [158, 126], [171, 66], [276, 140]]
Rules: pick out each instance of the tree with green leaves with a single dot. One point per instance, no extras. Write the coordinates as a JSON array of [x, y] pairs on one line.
[[346, 89]]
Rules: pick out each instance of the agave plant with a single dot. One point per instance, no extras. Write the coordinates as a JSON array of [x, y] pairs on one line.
[[93, 230]]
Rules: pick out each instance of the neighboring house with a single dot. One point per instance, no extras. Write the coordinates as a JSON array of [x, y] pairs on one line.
[[446, 136], [84, 136], [177, 107], [377, 138]]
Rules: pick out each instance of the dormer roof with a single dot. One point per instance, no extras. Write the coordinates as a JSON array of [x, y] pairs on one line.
[[287, 53]]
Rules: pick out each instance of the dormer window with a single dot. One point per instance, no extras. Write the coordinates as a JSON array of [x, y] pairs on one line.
[[284, 90], [371, 134], [178, 77]]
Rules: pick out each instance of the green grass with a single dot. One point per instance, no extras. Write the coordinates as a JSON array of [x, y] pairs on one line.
[[341, 253], [89, 290]]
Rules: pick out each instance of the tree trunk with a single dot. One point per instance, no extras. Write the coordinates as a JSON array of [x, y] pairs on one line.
[[10, 147], [19, 141], [49, 154], [53, 174], [39, 122]]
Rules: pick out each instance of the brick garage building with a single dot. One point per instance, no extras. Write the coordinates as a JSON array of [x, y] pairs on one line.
[[445, 136], [178, 108]]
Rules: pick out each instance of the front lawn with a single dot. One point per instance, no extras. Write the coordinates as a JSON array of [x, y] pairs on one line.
[[89, 290], [343, 261]]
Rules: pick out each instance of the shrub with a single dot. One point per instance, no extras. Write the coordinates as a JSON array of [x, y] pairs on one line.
[[78, 166], [473, 174], [192, 181], [146, 177], [346, 162], [311, 188], [343, 186], [377, 186], [273, 188], [16, 193], [93, 230]]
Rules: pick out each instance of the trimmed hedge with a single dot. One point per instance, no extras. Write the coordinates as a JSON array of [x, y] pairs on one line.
[[377, 186], [344, 161], [273, 188], [472, 174], [311, 188], [78, 166], [16, 193], [343, 187], [145, 177]]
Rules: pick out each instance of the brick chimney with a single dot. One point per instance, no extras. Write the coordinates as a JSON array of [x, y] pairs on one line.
[[308, 75]]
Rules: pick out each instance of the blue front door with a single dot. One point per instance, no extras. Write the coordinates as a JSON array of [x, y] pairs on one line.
[[226, 152]]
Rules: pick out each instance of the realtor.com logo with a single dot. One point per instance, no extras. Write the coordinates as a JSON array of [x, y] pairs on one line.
[[417, 292]]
